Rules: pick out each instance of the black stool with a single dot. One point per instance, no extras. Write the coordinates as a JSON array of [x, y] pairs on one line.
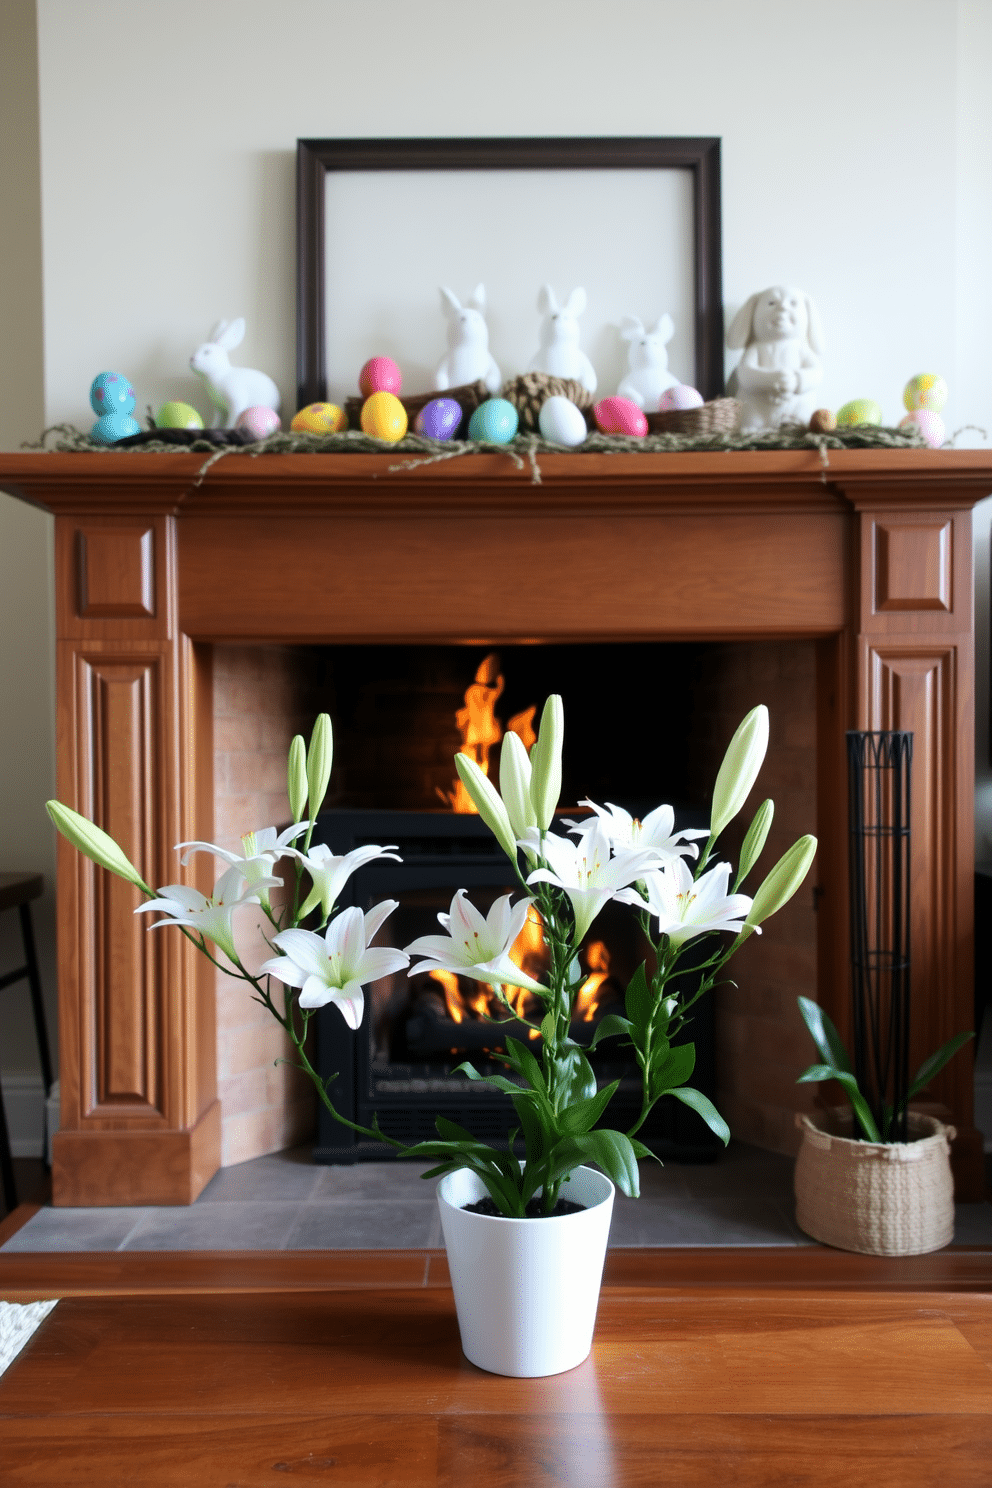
[[16, 892]]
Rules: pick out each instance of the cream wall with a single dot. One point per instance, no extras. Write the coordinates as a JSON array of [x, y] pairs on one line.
[[854, 164]]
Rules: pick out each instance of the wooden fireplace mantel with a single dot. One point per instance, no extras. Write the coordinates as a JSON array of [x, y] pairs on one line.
[[868, 555]]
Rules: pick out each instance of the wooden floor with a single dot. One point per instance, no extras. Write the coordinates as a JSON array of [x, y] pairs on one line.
[[749, 1369]]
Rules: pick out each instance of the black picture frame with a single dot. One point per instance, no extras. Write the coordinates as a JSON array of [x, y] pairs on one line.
[[316, 157]]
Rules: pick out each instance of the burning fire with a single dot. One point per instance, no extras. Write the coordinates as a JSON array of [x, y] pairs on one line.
[[530, 954], [480, 729]]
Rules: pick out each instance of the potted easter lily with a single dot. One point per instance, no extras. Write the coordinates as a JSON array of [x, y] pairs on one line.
[[525, 1225]]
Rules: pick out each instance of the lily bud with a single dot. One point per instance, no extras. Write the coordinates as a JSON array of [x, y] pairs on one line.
[[782, 882], [487, 803], [545, 761], [319, 757], [741, 763], [94, 842], [514, 784], [296, 778], [757, 836]]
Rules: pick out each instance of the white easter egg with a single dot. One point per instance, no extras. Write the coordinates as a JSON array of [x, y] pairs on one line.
[[562, 422]]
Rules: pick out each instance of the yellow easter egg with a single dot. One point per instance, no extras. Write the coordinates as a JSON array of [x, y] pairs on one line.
[[927, 390], [320, 418], [859, 411], [384, 417]]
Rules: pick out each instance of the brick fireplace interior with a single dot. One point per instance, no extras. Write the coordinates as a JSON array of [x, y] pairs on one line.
[[646, 722]]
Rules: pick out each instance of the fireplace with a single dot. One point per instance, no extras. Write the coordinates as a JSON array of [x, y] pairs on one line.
[[865, 563]]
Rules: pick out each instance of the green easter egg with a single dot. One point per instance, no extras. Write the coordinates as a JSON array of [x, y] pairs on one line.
[[178, 416], [859, 411]]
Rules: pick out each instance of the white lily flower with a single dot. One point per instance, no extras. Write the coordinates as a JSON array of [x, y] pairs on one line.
[[335, 966], [477, 946], [656, 831], [330, 874], [210, 917], [261, 850], [685, 907], [585, 869]]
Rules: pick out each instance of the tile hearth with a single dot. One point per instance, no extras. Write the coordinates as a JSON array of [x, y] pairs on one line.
[[285, 1202]]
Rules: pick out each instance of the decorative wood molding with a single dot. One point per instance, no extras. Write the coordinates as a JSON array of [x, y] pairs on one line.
[[913, 569], [116, 573]]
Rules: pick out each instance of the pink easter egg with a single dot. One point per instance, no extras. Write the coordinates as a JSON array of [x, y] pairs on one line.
[[676, 398], [929, 423], [620, 416], [260, 422], [379, 375]]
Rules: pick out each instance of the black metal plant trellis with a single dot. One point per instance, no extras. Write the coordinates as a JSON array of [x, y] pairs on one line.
[[879, 773]]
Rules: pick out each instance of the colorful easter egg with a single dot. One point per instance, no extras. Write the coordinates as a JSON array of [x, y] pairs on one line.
[[178, 415], [259, 421], [620, 416], [822, 421], [929, 423], [379, 375], [679, 397], [384, 417], [859, 411], [439, 419], [561, 421], [111, 393], [927, 390], [495, 421], [320, 418], [112, 427]]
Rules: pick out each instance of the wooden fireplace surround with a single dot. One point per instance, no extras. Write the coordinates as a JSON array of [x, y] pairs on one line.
[[869, 556]]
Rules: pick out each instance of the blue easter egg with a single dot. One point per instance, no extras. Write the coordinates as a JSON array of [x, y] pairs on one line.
[[494, 422], [110, 427], [112, 393], [439, 419]]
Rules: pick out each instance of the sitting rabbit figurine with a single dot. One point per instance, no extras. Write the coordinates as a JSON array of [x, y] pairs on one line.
[[231, 389], [780, 332], [558, 353], [468, 358], [647, 361]]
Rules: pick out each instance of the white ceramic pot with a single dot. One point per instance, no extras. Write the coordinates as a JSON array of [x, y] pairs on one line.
[[526, 1290]]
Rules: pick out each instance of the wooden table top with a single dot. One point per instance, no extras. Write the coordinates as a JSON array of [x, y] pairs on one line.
[[347, 1370]]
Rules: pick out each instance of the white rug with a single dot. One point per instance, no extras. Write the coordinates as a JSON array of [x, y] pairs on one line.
[[17, 1323]]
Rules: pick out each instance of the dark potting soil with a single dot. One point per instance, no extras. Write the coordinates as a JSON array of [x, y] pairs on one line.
[[532, 1211]]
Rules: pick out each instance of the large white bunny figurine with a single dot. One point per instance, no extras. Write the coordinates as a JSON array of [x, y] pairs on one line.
[[780, 332], [231, 389], [559, 354], [468, 358], [647, 361]]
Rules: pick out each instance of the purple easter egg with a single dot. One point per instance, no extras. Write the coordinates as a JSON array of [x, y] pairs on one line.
[[439, 419]]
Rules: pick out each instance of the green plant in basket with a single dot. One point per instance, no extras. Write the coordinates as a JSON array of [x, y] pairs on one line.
[[692, 914]]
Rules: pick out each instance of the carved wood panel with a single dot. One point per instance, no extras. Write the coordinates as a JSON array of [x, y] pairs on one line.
[[913, 686], [116, 572], [913, 564], [119, 706]]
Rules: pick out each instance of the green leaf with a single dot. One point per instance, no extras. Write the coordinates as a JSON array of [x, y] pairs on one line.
[[936, 1062], [824, 1035], [548, 1024], [523, 1061], [537, 1136], [583, 1115], [609, 1027], [704, 1107], [673, 1069], [614, 1153], [576, 1076], [846, 1080], [498, 1082], [452, 1132], [638, 1000]]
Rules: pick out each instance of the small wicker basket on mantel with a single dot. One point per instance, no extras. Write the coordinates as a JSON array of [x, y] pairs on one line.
[[877, 1198]]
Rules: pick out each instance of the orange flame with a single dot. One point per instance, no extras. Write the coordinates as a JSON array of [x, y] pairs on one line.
[[480, 729], [598, 961]]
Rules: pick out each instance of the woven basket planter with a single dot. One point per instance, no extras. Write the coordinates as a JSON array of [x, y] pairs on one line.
[[531, 390], [468, 396], [878, 1198], [719, 416]]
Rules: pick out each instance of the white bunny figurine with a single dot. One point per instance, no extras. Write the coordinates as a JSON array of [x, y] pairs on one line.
[[468, 358], [780, 332], [231, 389], [558, 353], [647, 361]]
